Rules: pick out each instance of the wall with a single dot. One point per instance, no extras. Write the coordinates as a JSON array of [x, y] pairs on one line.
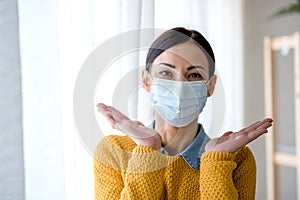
[[256, 26], [11, 139]]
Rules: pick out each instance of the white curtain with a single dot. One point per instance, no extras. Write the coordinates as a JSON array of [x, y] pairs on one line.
[[84, 27], [56, 39], [41, 100]]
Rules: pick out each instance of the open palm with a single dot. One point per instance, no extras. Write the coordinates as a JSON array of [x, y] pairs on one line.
[[232, 141], [136, 130]]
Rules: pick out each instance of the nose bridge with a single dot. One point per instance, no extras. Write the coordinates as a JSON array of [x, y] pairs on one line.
[[181, 66], [180, 77], [180, 74]]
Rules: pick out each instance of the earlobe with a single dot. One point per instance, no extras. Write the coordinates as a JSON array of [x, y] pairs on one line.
[[211, 85], [146, 80]]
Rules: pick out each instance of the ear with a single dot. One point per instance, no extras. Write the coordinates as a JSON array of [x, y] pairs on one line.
[[146, 80], [211, 85]]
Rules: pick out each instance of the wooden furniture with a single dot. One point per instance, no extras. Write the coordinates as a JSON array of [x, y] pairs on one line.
[[273, 155]]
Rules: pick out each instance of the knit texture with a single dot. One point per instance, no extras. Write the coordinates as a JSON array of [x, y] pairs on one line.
[[123, 170]]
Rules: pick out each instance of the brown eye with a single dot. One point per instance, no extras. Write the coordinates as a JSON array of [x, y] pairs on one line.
[[195, 77]]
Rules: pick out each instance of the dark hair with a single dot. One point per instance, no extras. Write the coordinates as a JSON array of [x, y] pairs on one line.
[[176, 36]]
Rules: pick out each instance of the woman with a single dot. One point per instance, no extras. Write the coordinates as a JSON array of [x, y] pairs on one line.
[[174, 159]]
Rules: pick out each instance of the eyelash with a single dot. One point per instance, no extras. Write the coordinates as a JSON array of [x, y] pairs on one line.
[[197, 74]]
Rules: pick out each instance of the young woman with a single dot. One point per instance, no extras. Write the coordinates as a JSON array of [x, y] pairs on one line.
[[174, 158]]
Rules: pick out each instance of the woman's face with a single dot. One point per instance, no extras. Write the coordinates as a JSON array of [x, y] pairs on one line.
[[183, 62]]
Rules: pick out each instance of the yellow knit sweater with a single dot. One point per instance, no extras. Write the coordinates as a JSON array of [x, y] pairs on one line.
[[124, 170]]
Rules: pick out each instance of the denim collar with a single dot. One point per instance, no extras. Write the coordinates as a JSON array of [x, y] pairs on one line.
[[192, 154]]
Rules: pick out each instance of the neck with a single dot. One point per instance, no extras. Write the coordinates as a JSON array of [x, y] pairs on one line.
[[175, 139]]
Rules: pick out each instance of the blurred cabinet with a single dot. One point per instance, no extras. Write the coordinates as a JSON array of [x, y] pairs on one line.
[[283, 139]]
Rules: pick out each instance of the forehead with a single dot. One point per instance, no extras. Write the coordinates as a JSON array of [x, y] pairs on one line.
[[185, 53]]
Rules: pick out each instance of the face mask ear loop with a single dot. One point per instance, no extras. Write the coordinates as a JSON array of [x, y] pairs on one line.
[[150, 78], [207, 83]]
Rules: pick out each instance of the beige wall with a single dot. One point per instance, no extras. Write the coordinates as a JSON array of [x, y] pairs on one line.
[[256, 26]]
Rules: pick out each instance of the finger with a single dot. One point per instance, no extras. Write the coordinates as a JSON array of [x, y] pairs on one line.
[[115, 114], [249, 126], [240, 141], [102, 107], [262, 128], [211, 144], [118, 116], [256, 125], [227, 134], [112, 115], [255, 134], [108, 116], [100, 104], [266, 125]]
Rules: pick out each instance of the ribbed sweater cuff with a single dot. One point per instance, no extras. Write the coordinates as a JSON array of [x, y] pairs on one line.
[[217, 156], [143, 150]]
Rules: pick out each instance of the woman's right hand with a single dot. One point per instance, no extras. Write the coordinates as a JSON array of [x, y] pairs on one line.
[[136, 130]]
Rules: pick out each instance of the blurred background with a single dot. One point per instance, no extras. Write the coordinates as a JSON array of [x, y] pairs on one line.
[[43, 45]]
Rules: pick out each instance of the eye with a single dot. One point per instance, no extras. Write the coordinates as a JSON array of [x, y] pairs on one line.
[[165, 74], [195, 77]]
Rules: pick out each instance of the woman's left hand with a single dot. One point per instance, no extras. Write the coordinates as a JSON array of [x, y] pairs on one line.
[[232, 141]]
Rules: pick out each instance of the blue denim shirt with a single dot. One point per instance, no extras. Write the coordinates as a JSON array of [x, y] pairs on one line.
[[192, 154]]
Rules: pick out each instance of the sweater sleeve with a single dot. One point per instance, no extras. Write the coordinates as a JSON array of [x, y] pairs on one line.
[[228, 175], [244, 176], [135, 174]]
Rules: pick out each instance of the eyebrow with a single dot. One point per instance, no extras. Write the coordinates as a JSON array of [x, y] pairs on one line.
[[167, 64], [189, 68]]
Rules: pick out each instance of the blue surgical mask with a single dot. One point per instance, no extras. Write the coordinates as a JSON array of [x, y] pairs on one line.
[[178, 102]]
